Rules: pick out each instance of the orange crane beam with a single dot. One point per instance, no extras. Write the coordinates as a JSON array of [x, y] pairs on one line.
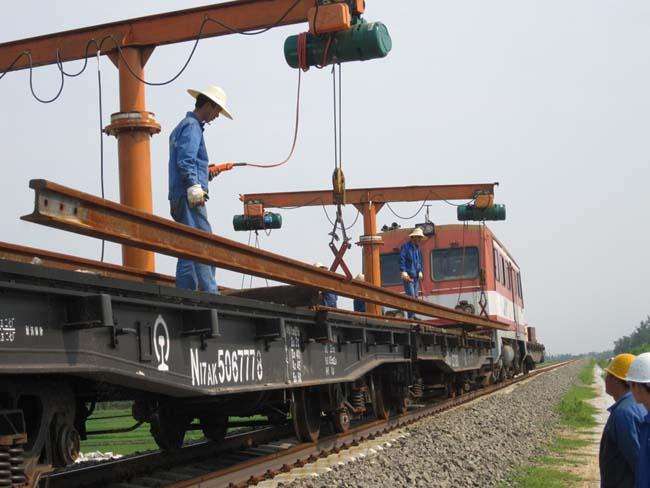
[[156, 30], [369, 201], [358, 196], [134, 125]]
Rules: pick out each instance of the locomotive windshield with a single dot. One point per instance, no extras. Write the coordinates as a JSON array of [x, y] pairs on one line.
[[454, 263]]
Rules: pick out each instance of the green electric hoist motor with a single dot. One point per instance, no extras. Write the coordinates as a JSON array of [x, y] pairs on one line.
[[471, 212], [268, 221], [361, 42]]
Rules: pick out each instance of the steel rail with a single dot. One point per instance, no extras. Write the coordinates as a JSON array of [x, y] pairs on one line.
[[31, 255], [65, 208], [256, 470]]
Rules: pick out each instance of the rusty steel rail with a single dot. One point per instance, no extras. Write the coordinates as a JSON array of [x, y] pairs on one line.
[[61, 207], [31, 255], [265, 467]]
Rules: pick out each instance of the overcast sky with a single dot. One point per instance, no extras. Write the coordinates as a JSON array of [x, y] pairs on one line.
[[549, 98]]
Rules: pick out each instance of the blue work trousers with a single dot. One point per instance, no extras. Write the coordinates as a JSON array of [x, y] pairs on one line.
[[412, 288], [189, 274]]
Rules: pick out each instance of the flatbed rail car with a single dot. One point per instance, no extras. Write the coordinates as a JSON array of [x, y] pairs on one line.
[[69, 339], [467, 268]]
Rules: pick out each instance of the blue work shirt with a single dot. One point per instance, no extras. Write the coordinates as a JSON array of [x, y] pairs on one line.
[[619, 445], [359, 305], [188, 157], [643, 466], [329, 299], [410, 259]]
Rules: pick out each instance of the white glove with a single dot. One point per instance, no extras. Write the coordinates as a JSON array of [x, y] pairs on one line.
[[420, 276], [196, 195], [405, 276]]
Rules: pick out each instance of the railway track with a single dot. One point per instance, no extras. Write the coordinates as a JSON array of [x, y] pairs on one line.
[[247, 458]]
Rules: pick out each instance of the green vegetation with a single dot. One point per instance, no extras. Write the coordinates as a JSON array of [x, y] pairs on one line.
[[543, 477], [575, 411], [553, 469], [637, 342], [118, 418]]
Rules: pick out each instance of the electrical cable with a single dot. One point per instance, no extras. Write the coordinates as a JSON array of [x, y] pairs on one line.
[[31, 83], [101, 139], [406, 218], [332, 222], [295, 133], [13, 63]]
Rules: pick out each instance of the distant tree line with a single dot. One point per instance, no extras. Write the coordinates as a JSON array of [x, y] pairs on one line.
[[637, 342]]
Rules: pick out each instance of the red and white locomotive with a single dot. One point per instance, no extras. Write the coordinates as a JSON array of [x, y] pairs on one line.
[[466, 267]]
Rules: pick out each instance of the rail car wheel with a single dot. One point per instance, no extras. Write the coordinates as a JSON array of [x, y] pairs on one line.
[[168, 428], [341, 420], [306, 413], [66, 443], [379, 403], [399, 402], [214, 427]]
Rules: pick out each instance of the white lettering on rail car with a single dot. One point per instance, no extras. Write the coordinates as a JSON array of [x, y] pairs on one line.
[[7, 329], [232, 366]]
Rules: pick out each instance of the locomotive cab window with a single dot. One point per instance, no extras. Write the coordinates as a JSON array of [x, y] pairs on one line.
[[454, 263], [390, 273]]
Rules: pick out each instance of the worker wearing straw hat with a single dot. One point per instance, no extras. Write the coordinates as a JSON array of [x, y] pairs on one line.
[[188, 179], [410, 264]]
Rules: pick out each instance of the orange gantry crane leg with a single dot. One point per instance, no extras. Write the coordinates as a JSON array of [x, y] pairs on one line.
[[370, 241], [133, 127]]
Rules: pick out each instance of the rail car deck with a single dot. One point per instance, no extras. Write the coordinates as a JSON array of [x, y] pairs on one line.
[[154, 338]]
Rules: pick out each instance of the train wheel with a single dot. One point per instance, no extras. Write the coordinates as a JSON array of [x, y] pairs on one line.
[[168, 428], [66, 444], [341, 420], [306, 413], [378, 399], [400, 400], [214, 427]]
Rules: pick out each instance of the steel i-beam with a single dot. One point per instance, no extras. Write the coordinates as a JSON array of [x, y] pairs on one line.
[[65, 208]]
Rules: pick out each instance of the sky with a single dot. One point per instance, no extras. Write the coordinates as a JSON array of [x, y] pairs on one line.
[[547, 97]]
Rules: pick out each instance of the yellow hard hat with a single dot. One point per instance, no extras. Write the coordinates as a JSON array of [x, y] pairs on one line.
[[619, 365]]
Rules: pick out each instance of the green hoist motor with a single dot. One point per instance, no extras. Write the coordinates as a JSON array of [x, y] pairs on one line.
[[471, 212], [267, 221], [361, 42]]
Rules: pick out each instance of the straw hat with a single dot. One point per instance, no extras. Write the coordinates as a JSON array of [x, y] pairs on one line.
[[417, 232], [217, 95]]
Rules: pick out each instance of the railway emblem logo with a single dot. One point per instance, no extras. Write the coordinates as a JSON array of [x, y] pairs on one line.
[[161, 343]]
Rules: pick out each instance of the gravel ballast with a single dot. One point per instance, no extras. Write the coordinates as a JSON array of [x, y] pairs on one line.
[[473, 445]]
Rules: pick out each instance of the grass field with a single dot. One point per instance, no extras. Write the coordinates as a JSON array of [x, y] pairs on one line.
[[127, 443]]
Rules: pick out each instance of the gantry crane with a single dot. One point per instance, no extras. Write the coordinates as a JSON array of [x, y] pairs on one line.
[[369, 201], [130, 43]]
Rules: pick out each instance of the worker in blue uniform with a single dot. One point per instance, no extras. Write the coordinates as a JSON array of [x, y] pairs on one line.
[[638, 377], [358, 304], [619, 445], [327, 298], [410, 264], [188, 180]]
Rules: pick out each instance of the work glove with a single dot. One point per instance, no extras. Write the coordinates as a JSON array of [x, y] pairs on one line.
[[196, 196], [420, 276], [405, 276]]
